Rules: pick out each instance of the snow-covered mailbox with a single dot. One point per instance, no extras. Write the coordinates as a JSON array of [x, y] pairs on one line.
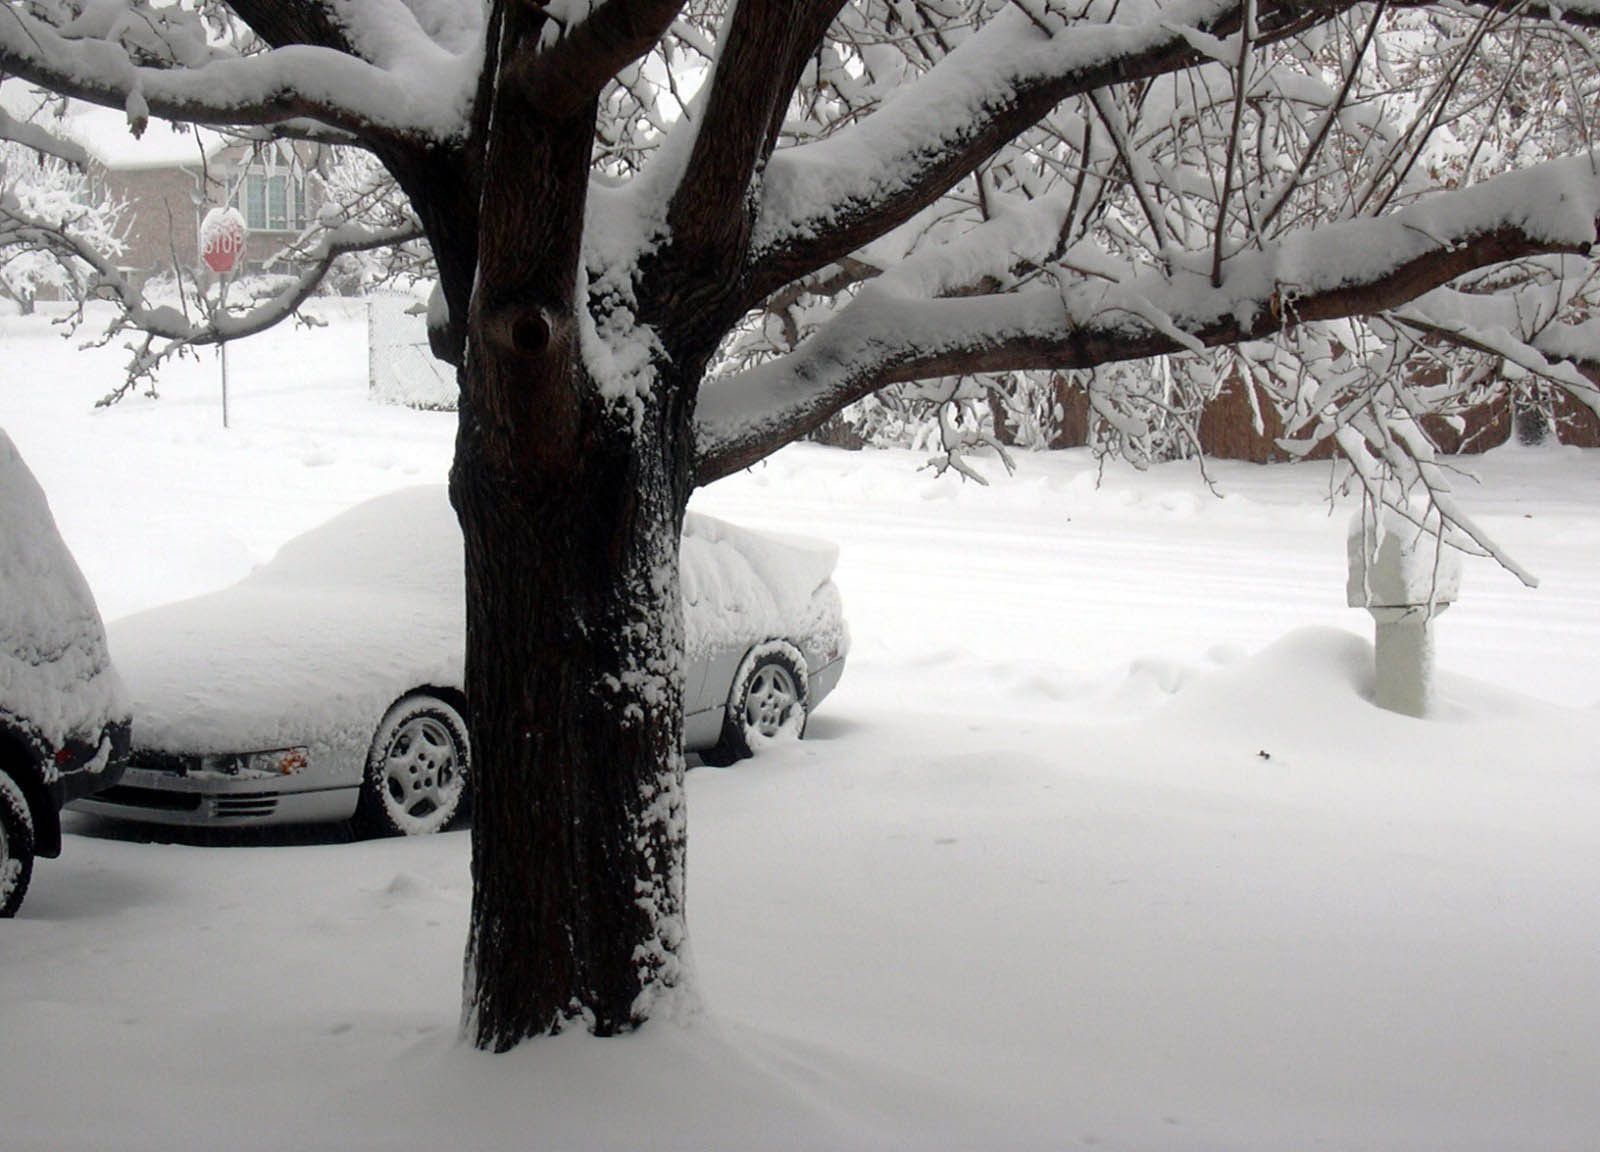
[[1405, 576]]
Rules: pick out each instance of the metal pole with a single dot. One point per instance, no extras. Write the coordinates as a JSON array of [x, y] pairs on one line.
[[222, 308]]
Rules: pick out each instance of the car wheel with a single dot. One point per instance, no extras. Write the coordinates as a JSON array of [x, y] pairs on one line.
[[417, 769], [767, 702], [16, 845]]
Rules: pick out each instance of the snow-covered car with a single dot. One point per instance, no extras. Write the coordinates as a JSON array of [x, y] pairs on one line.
[[63, 722], [328, 684]]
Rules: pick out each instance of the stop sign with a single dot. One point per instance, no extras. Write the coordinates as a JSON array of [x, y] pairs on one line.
[[222, 239]]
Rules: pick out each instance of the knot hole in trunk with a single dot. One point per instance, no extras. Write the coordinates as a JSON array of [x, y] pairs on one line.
[[525, 331], [530, 333]]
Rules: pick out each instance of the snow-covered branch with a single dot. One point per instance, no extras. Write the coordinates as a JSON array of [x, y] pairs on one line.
[[823, 199], [826, 198], [163, 330], [581, 55], [1562, 353], [411, 86], [892, 333], [41, 140], [764, 47]]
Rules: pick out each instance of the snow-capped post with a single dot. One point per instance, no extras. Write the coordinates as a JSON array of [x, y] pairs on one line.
[[221, 244], [1405, 575]]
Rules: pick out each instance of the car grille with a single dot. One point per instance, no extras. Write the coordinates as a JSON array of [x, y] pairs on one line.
[[131, 797], [245, 805], [156, 761]]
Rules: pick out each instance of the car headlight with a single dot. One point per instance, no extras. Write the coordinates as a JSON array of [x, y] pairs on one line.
[[275, 762]]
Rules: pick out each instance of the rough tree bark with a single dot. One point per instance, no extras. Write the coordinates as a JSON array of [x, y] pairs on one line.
[[573, 638]]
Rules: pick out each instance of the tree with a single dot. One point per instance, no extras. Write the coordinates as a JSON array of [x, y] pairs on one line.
[[45, 192], [673, 235]]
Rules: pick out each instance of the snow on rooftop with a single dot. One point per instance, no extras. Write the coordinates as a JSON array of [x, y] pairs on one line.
[[105, 134]]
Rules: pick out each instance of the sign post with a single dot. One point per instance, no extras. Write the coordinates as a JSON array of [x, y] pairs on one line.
[[221, 245]]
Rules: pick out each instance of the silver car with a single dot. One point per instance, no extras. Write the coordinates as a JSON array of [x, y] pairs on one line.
[[328, 684]]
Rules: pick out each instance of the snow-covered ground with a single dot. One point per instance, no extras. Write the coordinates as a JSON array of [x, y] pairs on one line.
[[1100, 841]]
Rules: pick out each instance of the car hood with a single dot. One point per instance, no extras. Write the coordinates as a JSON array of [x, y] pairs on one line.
[[55, 674], [260, 666]]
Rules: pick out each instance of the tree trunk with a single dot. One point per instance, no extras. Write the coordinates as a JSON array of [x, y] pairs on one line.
[[571, 492], [574, 675]]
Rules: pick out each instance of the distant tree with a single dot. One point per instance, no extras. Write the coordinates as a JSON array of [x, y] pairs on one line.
[[672, 236], [45, 193]]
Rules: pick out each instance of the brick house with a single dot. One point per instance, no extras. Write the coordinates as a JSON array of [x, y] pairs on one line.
[[1227, 426], [170, 176]]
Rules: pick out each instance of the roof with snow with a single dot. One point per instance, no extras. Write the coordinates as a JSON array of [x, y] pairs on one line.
[[105, 134]]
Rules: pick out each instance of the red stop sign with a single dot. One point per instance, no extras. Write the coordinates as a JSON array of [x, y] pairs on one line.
[[222, 252], [222, 240]]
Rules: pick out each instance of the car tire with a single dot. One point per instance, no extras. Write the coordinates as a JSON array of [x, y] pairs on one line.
[[418, 769], [16, 845], [768, 702]]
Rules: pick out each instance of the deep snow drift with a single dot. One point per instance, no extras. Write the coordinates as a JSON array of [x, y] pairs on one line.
[[1100, 841]]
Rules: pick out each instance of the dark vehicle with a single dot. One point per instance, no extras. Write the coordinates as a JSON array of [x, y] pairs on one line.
[[63, 723]]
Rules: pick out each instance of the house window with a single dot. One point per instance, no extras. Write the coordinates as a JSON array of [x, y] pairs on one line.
[[278, 202], [255, 200], [273, 201]]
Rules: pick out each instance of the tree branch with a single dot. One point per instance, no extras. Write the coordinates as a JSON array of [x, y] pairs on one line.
[[711, 211], [41, 140], [1347, 269], [826, 199], [425, 96], [570, 73], [167, 323], [281, 23]]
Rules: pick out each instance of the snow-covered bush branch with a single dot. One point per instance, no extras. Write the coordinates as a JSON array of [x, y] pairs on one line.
[[49, 218]]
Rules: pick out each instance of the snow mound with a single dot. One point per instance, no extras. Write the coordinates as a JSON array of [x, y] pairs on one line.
[[1312, 689], [1302, 675]]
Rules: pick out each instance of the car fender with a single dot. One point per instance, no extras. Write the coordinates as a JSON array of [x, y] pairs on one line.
[[20, 760]]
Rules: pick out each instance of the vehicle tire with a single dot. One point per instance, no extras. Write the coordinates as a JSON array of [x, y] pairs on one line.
[[417, 769], [16, 845], [767, 702]]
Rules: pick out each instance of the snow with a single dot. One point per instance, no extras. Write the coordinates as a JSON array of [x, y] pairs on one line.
[[737, 583], [421, 77], [1396, 561], [55, 674], [311, 648], [882, 331], [104, 134], [1100, 842]]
